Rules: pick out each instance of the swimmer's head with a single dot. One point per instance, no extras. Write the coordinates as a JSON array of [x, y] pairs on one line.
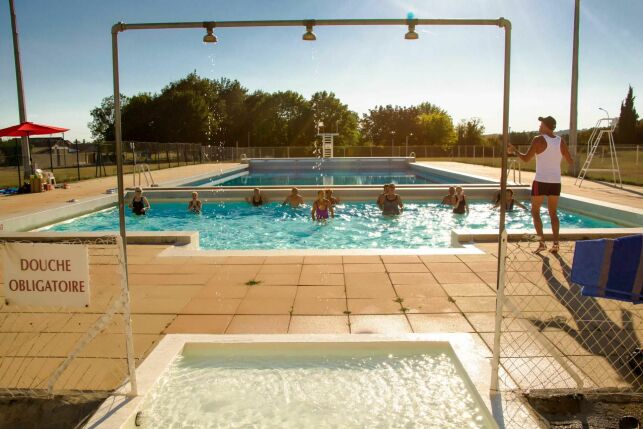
[[294, 191], [451, 190], [138, 190], [195, 195]]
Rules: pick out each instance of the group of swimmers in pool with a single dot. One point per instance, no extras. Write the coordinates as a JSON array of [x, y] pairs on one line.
[[323, 207]]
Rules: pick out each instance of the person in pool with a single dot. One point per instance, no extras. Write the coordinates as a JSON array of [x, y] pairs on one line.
[[294, 199], [256, 199], [391, 203], [509, 197], [139, 203], [449, 199], [380, 199], [330, 197], [195, 204], [322, 207], [461, 205]]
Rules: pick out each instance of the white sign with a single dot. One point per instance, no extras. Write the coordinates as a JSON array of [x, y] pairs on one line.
[[46, 274]]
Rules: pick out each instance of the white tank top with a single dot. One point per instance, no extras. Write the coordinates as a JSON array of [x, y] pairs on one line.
[[548, 162]]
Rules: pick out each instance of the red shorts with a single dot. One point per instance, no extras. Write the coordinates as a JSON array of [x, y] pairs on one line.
[[543, 188]]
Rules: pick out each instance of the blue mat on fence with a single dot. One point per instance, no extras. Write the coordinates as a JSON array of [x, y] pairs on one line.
[[609, 268]]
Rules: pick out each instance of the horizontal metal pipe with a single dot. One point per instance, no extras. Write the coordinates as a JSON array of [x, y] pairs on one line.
[[303, 22]]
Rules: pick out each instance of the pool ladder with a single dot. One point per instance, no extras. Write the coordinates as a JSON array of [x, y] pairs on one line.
[[143, 169], [512, 167]]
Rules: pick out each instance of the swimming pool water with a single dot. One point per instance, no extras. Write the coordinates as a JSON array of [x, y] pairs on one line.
[[357, 225], [377, 389], [326, 178]]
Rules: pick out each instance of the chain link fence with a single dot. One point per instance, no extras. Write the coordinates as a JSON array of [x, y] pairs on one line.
[[554, 339], [81, 352]]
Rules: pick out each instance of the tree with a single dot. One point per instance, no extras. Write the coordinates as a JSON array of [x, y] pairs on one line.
[[336, 117], [626, 128], [102, 124], [470, 132], [436, 128]]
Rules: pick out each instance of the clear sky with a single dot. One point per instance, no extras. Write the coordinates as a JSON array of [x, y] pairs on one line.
[[66, 55]]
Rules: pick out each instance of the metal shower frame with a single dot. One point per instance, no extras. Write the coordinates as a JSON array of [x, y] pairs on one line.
[[306, 23]]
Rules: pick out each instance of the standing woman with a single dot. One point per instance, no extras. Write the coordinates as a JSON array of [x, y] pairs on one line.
[[139, 203], [461, 205], [322, 207], [391, 202]]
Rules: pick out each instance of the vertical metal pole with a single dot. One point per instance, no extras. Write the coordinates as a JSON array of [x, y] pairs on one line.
[[502, 236], [22, 108], [20, 176], [121, 209], [573, 111], [77, 161], [51, 157]]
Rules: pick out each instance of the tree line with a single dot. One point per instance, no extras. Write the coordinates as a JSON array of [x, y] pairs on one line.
[[223, 112]]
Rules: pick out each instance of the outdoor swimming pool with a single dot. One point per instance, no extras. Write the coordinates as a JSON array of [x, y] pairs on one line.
[[316, 386], [357, 225]]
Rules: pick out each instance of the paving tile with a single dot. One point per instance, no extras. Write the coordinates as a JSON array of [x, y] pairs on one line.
[[199, 324], [159, 305], [488, 277], [448, 322], [373, 306], [280, 269], [371, 279], [359, 259], [412, 278], [141, 292], [219, 279], [169, 279], [483, 266], [321, 292], [318, 325], [244, 260], [239, 270], [400, 259], [266, 306], [406, 268], [364, 268], [432, 304], [439, 258], [484, 322], [382, 324], [319, 306], [322, 259], [271, 292], [477, 258], [277, 279], [253, 324], [321, 279], [222, 291], [283, 260], [177, 268], [210, 306], [365, 290], [476, 303], [451, 277], [448, 267], [468, 289], [419, 290], [322, 268]]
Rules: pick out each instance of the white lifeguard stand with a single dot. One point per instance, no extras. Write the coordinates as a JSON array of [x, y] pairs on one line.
[[604, 126], [327, 142]]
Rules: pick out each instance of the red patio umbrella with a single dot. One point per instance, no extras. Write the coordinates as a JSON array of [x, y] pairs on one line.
[[30, 129]]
